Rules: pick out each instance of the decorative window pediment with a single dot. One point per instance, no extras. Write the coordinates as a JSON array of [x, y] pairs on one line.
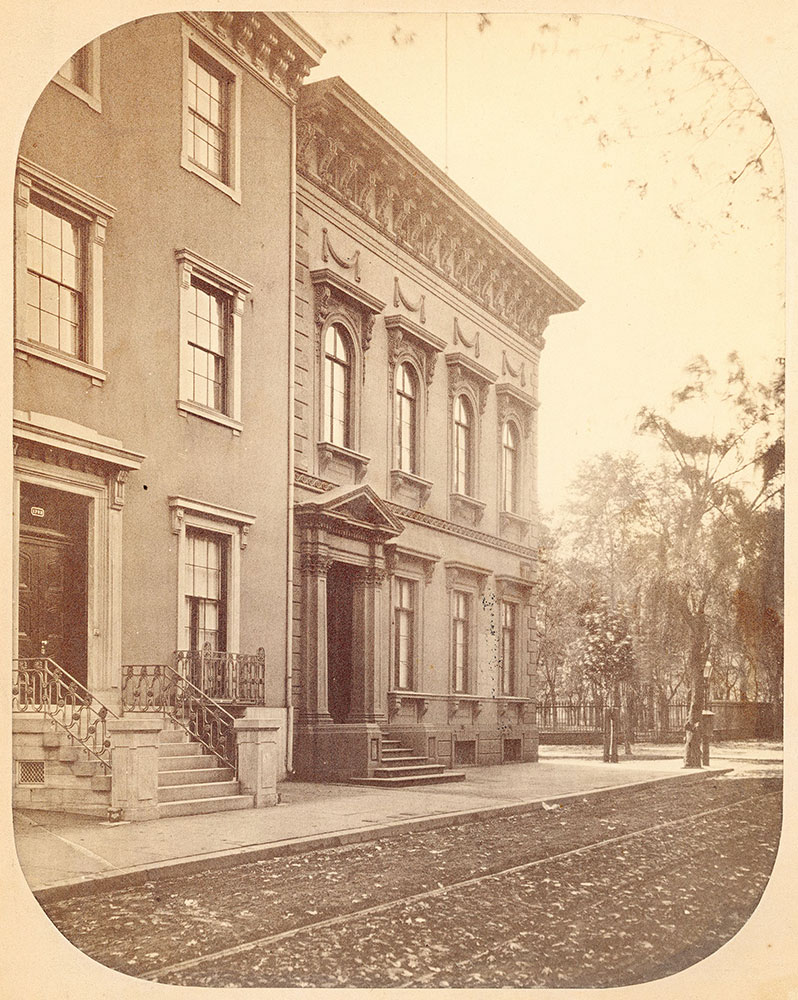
[[465, 372], [514, 586], [514, 402], [408, 338], [400, 558], [334, 294], [461, 574]]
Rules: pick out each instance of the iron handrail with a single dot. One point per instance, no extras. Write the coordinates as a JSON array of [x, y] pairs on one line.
[[42, 686], [224, 676], [161, 688]]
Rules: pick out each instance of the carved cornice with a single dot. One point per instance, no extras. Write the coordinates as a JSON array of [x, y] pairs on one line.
[[348, 150], [272, 46]]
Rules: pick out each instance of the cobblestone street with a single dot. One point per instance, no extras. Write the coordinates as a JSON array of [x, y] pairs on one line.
[[594, 893]]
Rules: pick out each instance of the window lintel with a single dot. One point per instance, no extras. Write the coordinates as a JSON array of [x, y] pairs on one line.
[[192, 263], [239, 520], [31, 176]]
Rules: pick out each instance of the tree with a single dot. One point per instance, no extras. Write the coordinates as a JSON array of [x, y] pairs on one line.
[[706, 510], [608, 660]]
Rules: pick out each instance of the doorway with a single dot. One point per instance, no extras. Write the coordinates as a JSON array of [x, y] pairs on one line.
[[53, 577], [340, 598]]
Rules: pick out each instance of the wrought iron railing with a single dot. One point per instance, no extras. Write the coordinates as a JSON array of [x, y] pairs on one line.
[[160, 688], [41, 686], [238, 677]]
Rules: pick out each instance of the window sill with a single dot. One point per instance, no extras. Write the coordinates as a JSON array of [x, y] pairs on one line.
[[92, 100], [467, 510], [195, 168], [407, 484], [195, 409], [28, 348], [335, 454]]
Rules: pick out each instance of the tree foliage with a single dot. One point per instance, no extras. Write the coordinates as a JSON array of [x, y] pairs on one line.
[[691, 549]]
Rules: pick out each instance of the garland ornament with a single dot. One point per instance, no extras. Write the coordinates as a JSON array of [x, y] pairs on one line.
[[460, 338], [399, 297], [507, 368], [327, 251]]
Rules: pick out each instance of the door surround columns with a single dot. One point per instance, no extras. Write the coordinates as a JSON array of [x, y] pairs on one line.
[[349, 527]]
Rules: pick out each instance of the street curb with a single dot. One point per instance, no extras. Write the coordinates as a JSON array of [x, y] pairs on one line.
[[139, 874]]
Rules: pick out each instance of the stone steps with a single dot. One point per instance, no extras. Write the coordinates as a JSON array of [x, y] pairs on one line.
[[192, 781], [402, 767]]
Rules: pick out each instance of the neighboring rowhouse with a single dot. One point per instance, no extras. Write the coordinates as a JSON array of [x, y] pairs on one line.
[[271, 367], [152, 369]]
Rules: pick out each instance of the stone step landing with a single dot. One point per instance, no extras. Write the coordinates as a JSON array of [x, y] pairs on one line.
[[401, 767], [192, 781]]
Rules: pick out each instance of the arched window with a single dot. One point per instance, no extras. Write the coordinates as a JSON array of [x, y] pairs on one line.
[[405, 418], [509, 467], [337, 386], [463, 444]]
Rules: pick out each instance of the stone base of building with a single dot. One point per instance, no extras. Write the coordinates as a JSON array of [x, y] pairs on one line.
[[51, 774], [468, 744], [336, 752]]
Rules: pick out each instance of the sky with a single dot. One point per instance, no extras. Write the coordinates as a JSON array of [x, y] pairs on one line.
[[606, 145]]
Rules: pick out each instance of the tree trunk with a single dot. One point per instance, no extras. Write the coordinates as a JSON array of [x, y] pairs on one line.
[[626, 723], [698, 657]]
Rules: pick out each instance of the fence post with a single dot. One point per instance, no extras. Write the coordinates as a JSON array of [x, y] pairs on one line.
[[134, 766], [256, 739]]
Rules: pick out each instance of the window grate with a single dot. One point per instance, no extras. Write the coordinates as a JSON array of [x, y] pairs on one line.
[[30, 772]]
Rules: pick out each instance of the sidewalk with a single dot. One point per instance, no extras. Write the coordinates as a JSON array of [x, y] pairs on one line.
[[61, 852]]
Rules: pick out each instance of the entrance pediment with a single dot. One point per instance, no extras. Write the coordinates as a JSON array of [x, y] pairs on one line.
[[361, 509]]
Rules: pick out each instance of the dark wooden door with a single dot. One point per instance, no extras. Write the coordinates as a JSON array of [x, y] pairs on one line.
[[340, 595], [52, 590]]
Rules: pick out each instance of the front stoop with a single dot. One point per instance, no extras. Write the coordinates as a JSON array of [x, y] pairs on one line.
[[191, 781], [401, 768]]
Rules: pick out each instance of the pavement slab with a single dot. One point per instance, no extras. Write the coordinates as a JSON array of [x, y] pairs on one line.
[[58, 850]]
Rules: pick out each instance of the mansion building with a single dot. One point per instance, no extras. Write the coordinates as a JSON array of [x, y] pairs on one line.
[[276, 386]]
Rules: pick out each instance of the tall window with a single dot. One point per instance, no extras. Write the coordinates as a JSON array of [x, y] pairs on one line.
[[462, 478], [207, 115], [404, 626], [509, 467], [207, 339], [54, 299], [405, 414], [206, 590], [508, 647], [460, 626], [337, 386]]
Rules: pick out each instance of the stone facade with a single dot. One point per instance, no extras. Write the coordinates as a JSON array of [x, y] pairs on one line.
[[393, 254]]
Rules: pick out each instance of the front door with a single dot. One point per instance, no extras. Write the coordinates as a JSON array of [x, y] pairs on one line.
[[340, 597], [53, 564]]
